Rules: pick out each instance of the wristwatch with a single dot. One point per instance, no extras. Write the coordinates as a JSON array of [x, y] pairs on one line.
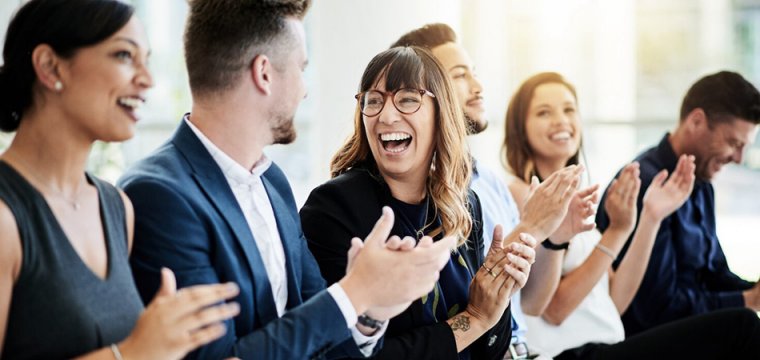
[[552, 246], [370, 322]]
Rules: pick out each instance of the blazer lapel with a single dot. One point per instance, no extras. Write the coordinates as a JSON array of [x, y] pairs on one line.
[[212, 182], [289, 235]]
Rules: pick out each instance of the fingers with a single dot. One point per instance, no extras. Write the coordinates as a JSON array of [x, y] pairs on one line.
[[191, 299], [519, 278], [382, 229], [206, 335], [528, 240], [210, 315], [168, 283], [584, 193], [659, 179], [356, 246]]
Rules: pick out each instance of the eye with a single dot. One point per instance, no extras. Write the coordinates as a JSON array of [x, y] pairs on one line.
[[570, 110], [124, 55], [543, 113], [459, 75]]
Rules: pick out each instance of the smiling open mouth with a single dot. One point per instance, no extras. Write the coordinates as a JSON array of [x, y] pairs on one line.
[[395, 142]]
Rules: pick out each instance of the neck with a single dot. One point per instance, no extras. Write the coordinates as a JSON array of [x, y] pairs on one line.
[[232, 122], [407, 190], [50, 150], [678, 142], [546, 167]]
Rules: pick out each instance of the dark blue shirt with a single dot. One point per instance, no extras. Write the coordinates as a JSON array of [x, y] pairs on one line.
[[687, 272]]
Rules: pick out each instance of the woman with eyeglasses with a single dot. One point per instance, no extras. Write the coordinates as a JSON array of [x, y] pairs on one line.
[[575, 296], [408, 152], [75, 71]]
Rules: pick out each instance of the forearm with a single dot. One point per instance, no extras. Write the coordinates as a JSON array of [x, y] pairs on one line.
[[625, 282], [576, 285], [467, 329], [543, 281]]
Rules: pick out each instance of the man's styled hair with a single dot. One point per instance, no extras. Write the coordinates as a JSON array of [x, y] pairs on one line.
[[428, 36], [723, 96], [223, 36]]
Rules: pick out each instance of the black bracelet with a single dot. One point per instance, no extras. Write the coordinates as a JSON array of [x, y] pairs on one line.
[[370, 322], [552, 246]]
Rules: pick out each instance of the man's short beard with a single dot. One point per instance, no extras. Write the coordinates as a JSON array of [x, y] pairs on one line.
[[474, 127], [283, 131]]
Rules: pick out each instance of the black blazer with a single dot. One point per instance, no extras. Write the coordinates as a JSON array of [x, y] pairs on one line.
[[348, 206]]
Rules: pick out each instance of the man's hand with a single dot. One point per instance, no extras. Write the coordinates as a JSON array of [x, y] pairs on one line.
[[664, 197], [380, 277]]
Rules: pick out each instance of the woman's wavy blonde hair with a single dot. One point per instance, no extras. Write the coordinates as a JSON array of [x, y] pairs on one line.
[[449, 178], [517, 150]]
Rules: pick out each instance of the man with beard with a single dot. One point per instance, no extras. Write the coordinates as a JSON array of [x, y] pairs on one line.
[[687, 273], [210, 206]]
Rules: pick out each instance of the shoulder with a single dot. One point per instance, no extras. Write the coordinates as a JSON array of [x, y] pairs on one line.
[[352, 198], [164, 165], [10, 242]]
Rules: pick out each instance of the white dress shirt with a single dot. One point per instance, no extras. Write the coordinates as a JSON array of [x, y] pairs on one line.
[[254, 202]]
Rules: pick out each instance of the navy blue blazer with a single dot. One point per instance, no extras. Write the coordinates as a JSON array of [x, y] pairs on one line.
[[187, 219]]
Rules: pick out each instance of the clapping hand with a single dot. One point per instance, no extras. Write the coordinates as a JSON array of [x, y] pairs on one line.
[[663, 196]]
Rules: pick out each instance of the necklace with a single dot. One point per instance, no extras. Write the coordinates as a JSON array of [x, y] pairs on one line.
[[73, 202]]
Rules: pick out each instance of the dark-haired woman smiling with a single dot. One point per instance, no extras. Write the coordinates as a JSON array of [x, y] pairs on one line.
[[74, 71]]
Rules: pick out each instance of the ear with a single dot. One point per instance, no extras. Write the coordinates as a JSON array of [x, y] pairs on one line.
[[696, 120], [261, 74], [47, 64]]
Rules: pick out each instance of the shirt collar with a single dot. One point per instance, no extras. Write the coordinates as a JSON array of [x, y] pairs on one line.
[[666, 154], [231, 169]]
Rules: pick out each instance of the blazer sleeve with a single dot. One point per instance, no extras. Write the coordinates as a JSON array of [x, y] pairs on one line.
[[170, 232]]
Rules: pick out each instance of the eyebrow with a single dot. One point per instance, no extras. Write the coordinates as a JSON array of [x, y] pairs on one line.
[[131, 42], [463, 67]]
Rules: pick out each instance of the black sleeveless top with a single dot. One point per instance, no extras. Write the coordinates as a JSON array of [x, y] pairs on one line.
[[59, 307]]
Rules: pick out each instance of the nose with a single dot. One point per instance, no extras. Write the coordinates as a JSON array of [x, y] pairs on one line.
[[144, 78], [389, 114], [475, 86], [738, 155]]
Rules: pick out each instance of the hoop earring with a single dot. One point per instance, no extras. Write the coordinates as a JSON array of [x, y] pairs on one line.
[[58, 86]]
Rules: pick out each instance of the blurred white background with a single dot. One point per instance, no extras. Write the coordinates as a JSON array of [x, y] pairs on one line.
[[631, 62]]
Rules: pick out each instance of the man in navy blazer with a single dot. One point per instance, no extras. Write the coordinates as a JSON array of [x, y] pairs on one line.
[[210, 206]]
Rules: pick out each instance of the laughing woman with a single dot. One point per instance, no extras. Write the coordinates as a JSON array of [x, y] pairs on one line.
[[408, 152], [73, 72]]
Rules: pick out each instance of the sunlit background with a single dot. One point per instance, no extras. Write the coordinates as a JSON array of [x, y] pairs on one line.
[[631, 62]]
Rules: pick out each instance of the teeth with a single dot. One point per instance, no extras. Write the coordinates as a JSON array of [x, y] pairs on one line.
[[396, 136], [562, 135], [131, 102]]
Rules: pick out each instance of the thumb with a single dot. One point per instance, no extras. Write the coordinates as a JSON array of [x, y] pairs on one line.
[[659, 179], [168, 283], [533, 184], [356, 246], [498, 239], [382, 229]]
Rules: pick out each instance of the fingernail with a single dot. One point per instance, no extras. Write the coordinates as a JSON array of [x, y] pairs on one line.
[[233, 307], [231, 288]]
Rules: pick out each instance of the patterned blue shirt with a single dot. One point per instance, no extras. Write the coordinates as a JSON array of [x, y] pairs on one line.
[[498, 207]]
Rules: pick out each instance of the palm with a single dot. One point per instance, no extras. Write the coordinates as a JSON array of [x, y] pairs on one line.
[[663, 198]]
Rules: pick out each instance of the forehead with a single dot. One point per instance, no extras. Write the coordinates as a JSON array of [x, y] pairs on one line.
[[551, 93], [451, 55], [737, 129], [132, 32]]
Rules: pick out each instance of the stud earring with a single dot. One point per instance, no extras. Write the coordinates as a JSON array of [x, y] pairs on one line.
[[58, 85]]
